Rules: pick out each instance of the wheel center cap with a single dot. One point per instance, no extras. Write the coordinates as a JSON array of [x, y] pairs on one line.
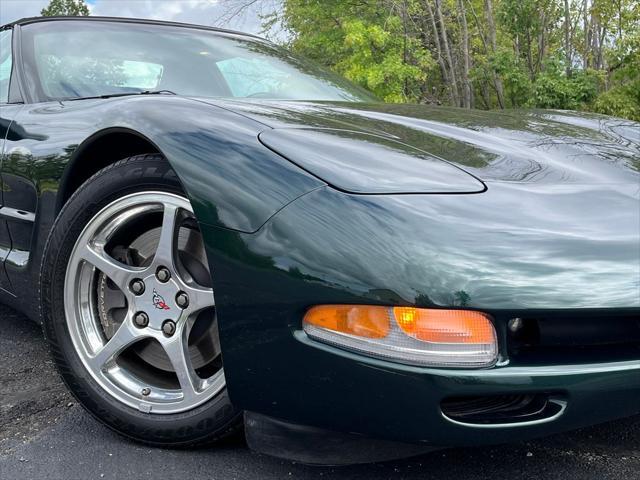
[[159, 302]]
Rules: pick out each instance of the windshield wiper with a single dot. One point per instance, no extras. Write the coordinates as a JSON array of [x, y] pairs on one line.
[[124, 94]]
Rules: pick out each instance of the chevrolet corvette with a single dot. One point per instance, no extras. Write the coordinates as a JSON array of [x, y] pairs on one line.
[[217, 235]]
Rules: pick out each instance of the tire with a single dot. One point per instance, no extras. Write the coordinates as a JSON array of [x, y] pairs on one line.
[[173, 412]]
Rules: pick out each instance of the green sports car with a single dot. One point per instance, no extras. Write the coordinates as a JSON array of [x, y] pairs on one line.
[[216, 235]]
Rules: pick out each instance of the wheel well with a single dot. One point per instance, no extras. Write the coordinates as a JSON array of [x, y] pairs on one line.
[[97, 153]]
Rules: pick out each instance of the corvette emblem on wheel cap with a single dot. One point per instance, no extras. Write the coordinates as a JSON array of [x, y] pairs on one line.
[[158, 301]]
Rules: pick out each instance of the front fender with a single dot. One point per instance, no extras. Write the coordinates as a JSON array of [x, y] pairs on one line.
[[232, 180]]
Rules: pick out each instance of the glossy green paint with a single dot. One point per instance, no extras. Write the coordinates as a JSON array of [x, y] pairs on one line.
[[232, 180], [461, 251], [540, 147], [551, 225]]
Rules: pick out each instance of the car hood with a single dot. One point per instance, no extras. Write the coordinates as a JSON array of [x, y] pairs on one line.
[[557, 227], [546, 147]]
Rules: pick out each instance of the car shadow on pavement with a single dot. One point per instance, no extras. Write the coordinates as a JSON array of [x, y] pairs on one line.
[[44, 434]]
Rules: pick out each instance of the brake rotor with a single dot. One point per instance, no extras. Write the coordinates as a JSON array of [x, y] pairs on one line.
[[112, 306]]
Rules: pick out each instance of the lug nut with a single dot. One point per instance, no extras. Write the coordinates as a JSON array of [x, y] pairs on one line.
[[137, 287], [163, 274], [182, 300], [169, 328], [141, 320]]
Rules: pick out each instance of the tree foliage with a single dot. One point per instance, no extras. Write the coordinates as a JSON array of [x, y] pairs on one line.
[[70, 8], [564, 54], [362, 45]]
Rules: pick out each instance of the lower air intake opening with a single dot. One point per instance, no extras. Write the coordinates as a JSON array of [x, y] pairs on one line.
[[501, 409]]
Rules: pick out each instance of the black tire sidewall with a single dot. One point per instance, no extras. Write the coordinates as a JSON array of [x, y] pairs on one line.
[[207, 423]]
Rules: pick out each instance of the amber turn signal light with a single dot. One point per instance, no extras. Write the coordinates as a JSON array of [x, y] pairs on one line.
[[445, 326], [430, 337], [367, 322]]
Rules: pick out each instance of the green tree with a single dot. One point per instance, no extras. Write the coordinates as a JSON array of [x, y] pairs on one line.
[[367, 44], [71, 8], [623, 96], [561, 54], [378, 58]]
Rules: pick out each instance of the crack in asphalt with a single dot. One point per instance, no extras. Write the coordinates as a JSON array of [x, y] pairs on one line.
[[44, 434]]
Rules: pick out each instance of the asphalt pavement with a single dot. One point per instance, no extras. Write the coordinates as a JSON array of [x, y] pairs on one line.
[[44, 434]]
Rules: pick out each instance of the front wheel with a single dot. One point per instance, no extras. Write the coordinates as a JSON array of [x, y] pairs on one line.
[[129, 310]]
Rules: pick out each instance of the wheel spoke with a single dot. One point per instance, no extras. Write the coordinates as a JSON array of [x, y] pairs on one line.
[[177, 350], [166, 252], [118, 273], [125, 336], [200, 298]]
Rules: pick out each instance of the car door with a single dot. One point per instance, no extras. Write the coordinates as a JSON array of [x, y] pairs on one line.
[[8, 110]]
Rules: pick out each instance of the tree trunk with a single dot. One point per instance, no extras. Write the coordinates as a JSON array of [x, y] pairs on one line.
[[484, 95], [567, 39], [587, 35], [542, 43], [479, 27], [601, 47], [529, 53], [619, 20], [466, 84], [488, 12], [447, 53], [436, 40], [484, 87], [405, 50]]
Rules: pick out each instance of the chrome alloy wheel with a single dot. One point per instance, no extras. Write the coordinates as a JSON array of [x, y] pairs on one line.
[[140, 308]]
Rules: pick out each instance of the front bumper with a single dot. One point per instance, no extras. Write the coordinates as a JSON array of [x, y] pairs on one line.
[[403, 403], [402, 406], [513, 251]]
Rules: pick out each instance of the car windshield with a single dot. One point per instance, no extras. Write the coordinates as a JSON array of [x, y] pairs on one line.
[[76, 59]]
